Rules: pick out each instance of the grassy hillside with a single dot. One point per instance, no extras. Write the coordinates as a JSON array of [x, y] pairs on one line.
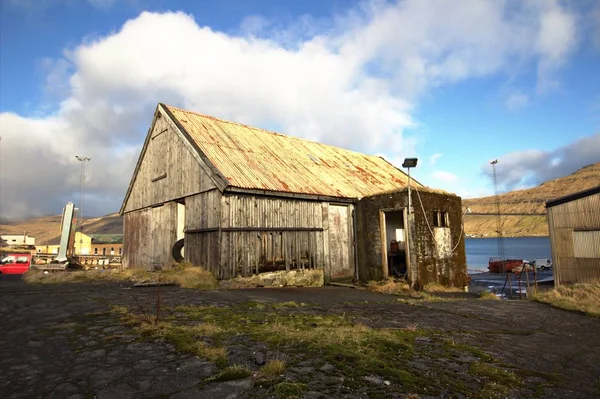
[[524, 211], [48, 227]]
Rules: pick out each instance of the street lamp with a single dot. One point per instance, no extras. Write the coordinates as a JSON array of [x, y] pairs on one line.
[[409, 163], [83, 160]]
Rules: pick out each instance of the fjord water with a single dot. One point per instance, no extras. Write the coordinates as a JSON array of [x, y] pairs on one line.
[[479, 250]]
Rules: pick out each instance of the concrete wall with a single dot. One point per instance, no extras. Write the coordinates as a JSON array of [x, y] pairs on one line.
[[441, 259]]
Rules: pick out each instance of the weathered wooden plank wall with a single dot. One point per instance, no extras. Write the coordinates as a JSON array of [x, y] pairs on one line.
[[202, 248], [565, 221], [340, 250], [149, 235], [260, 234], [168, 170]]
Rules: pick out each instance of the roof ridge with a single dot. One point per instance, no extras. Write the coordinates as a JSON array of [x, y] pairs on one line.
[[272, 132]]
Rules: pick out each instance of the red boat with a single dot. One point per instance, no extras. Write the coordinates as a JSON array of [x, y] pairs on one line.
[[501, 266]]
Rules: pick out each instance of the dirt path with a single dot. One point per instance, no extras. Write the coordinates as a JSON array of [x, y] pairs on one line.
[[61, 341]]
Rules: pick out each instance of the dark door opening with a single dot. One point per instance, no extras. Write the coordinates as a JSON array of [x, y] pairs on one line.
[[394, 244]]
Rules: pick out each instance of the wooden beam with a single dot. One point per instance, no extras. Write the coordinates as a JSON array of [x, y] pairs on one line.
[[243, 229], [283, 194]]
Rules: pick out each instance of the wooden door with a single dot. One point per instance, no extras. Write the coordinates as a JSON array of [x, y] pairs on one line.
[[339, 242]]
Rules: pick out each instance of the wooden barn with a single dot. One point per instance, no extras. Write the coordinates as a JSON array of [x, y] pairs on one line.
[[247, 200], [574, 225]]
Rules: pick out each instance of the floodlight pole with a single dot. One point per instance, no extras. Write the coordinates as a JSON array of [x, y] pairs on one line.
[[409, 196], [409, 163]]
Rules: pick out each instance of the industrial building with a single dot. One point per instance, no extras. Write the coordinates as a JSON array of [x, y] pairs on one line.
[[17, 239], [247, 201], [574, 226], [87, 244]]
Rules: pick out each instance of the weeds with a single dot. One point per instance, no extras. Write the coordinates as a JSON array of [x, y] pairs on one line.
[[583, 298], [389, 286], [273, 368], [235, 372], [184, 275], [435, 287], [495, 374], [289, 389], [488, 296], [406, 293]]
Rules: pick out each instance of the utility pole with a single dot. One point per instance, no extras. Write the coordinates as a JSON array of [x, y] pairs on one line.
[[83, 160]]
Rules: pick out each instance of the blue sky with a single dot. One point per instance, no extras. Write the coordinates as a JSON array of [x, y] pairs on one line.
[[455, 84]]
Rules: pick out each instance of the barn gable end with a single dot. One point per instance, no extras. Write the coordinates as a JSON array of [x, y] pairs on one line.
[[168, 168]]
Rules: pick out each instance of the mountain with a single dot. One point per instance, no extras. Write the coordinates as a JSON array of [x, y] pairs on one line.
[[524, 211], [47, 228]]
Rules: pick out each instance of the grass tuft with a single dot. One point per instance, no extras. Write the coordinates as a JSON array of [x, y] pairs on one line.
[[189, 276], [488, 296], [389, 286], [235, 372], [273, 368], [436, 287], [583, 298], [289, 390]]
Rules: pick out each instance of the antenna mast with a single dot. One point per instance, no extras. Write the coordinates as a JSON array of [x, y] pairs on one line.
[[501, 254]]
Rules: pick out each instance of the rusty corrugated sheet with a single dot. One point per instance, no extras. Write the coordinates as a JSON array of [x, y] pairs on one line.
[[258, 159]]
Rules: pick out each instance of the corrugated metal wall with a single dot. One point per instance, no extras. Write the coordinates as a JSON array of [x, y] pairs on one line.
[[575, 238]]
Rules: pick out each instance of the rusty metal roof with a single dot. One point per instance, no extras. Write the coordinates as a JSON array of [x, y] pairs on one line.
[[253, 158]]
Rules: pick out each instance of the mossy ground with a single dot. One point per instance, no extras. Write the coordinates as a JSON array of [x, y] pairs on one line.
[[410, 360]]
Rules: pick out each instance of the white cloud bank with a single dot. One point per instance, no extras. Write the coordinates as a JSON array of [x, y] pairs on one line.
[[523, 169], [352, 85]]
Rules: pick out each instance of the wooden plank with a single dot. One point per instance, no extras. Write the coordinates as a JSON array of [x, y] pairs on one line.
[[326, 257]]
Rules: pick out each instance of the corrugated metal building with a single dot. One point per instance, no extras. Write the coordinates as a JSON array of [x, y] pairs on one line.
[[574, 225], [247, 200]]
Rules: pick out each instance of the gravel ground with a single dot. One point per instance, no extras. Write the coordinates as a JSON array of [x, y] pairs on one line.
[[61, 341]]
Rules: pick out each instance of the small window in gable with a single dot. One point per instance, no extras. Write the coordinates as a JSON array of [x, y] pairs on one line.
[[440, 219]]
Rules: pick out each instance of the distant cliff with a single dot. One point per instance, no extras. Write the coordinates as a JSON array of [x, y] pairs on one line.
[[524, 211]]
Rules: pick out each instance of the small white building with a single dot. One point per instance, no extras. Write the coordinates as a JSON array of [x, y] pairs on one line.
[[18, 239]]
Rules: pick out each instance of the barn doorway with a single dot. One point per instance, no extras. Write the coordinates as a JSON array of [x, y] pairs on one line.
[[394, 243]]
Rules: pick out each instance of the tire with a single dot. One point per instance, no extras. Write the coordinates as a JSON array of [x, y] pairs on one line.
[[176, 251]]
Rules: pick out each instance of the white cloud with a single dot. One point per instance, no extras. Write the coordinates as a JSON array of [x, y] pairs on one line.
[[351, 84], [555, 40], [516, 100], [523, 169], [444, 176], [433, 159]]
